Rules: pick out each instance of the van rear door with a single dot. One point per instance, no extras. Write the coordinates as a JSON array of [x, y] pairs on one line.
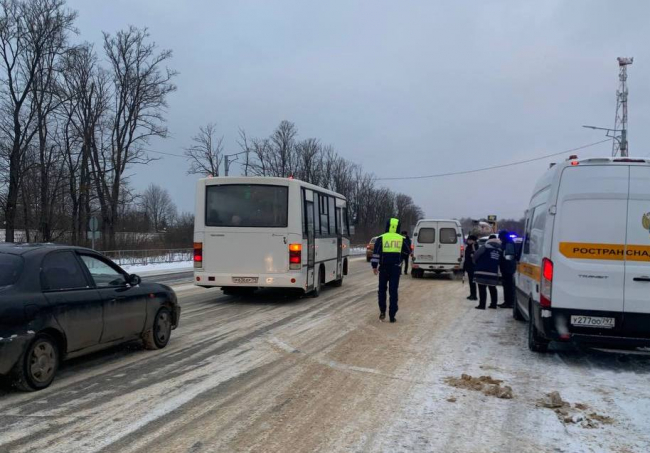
[[637, 255], [426, 243], [589, 237], [448, 243]]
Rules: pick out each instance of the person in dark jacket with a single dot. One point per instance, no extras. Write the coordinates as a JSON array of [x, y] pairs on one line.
[[468, 265], [405, 258], [486, 271], [386, 262], [508, 266]]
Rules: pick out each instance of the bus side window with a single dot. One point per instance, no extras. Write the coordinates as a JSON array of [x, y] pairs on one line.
[[324, 218], [346, 224], [339, 219], [316, 214]]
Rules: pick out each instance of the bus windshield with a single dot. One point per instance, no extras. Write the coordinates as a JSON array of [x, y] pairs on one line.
[[246, 205]]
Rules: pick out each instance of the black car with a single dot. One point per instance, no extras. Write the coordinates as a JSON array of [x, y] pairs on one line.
[[59, 302]]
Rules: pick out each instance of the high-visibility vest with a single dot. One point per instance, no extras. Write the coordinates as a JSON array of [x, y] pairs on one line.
[[391, 242]]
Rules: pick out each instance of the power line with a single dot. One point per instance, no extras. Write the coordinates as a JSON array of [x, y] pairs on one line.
[[477, 170]]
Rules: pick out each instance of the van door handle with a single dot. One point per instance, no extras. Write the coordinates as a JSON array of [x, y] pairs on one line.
[[641, 279], [118, 299]]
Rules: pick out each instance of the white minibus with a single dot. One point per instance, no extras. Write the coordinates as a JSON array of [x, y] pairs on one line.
[[437, 247], [584, 268], [259, 232]]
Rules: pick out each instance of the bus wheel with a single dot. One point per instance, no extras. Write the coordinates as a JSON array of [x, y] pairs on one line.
[[338, 283]]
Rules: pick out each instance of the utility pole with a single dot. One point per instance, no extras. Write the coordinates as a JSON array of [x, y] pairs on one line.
[[620, 120], [227, 161]]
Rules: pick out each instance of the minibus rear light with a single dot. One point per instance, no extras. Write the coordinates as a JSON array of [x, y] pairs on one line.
[[546, 285], [198, 255], [295, 257]]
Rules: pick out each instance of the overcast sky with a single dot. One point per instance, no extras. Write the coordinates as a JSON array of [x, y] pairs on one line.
[[401, 87]]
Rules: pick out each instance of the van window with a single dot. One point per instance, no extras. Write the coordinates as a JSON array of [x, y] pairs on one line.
[[537, 231], [527, 232], [427, 236], [448, 236]]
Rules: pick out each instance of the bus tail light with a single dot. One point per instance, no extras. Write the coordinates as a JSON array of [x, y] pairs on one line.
[[546, 287], [198, 255], [295, 257]]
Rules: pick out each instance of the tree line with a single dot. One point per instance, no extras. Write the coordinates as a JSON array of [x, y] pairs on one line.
[[77, 118], [284, 154], [74, 120]]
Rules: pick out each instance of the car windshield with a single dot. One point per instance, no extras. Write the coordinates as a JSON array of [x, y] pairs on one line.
[[11, 266], [247, 205]]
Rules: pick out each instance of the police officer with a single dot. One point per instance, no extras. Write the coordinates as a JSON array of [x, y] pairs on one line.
[[508, 266], [387, 263], [407, 240]]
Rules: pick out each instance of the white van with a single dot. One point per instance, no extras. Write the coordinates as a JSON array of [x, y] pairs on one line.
[[584, 268], [437, 247]]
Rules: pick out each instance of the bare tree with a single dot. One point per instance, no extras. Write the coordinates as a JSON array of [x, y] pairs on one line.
[[30, 32], [206, 152], [158, 207], [140, 85]]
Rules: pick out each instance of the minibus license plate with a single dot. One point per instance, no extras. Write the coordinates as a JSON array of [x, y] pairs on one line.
[[425, 258], [244, 279], [592, 321]]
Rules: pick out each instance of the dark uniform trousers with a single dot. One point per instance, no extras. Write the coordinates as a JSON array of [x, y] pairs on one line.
[[472, 283], [389, 279], [508, 282]]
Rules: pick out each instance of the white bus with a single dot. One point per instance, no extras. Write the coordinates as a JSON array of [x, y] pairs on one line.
[[258, 232]]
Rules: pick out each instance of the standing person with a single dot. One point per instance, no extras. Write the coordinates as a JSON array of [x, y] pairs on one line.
[[405, 257], [486, 271], [468, 265], [387, 263], [508, 266]]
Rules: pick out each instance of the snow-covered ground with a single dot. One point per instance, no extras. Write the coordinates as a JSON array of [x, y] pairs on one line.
[[160, 267]]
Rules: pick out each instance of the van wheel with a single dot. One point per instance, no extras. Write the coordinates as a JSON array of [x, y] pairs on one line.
[[536, 342], [516, 314], [39, 363]]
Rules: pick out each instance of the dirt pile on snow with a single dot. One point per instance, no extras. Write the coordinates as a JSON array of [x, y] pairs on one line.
[[576, 414], [485, 384]]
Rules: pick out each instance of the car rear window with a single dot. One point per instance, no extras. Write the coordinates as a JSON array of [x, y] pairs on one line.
[[448, 236], [427, 235], [11, 267]]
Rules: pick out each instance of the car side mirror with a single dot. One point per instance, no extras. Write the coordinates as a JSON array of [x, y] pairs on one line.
[[134, 280]]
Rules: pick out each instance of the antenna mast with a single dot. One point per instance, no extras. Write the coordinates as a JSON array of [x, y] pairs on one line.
[[620, 121]]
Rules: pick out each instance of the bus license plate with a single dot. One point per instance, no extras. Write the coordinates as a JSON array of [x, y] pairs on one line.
[[592, 321], [244, 279]]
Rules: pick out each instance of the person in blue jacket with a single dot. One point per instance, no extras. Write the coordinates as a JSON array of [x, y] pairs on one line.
[[386, 262], [486, 271]]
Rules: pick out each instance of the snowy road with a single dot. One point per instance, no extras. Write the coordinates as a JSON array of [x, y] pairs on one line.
[[290, 375]]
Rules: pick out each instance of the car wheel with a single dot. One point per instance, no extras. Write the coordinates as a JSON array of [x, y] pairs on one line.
[[39, 363], [516, 314], [158, 336], [536, 342]]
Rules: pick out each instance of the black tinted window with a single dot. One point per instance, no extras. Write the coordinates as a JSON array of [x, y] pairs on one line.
[[247, 205], [61, 270], [427, 236], [11, 266]]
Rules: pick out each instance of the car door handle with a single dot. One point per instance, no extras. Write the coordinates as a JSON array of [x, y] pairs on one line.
[[118, 299], [641, 279]]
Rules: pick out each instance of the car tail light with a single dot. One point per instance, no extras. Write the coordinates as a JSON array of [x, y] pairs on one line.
[[198, 255], [546, 287], [295, 256]]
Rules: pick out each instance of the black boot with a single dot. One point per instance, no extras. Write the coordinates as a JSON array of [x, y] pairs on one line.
[[382, 316]]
